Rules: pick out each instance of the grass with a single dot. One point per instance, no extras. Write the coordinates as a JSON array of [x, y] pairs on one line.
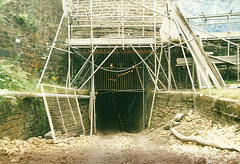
[[232, 93]]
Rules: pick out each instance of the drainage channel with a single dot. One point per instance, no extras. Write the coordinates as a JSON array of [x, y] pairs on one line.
[[119, 111]]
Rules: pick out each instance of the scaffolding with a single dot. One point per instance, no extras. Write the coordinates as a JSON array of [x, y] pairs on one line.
[[226, 33], [122, 32]]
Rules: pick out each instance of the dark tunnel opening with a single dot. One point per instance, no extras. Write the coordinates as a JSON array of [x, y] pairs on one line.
[[119, 111]]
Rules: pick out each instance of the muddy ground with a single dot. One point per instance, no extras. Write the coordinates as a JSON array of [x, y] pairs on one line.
[[149, 146]]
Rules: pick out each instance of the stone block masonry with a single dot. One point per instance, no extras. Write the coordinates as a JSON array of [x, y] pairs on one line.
[[25, 118], [27, 29], [22, 118], [168, 104]]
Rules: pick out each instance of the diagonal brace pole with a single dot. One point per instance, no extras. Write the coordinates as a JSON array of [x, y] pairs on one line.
[[149, 70], [155, 89], [83, 66], [98, 68], [50, 53]]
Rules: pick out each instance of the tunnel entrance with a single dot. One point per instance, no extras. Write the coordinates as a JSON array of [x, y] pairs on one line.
[[119, 111]]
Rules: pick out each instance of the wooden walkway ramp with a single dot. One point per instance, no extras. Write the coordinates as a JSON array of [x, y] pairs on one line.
[[64, 112], [208, 73]]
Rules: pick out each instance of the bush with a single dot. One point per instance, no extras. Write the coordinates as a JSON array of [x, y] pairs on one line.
[[13, 78]]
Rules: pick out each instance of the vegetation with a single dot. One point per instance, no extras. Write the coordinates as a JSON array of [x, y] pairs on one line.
[[13, 78], [26, 21], [233, 93], [2, 2]]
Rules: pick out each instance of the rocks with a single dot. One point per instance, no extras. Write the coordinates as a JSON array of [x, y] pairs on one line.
[[6, 139], [178, 117], [49, 135], [15, 159], [204, 128], [174, 122], [3, 152]]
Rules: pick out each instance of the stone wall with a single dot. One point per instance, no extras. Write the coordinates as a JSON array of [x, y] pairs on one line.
[[22, 118], [109, 26], [167, 104], [28, 28], [222, 110], [25, 118]]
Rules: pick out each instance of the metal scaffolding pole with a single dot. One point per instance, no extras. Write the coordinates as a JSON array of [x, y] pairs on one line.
[[238, 64], [98, 68], [169, 50], [122, 25], [169, 68], [69, 55], [149, 70], [92, 106], [155, 36], [143, 98], [184, 55], [50, 53], [84, 65], [155, 89], [164, 73]]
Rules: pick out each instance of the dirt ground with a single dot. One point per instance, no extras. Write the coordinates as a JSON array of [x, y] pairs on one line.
[[149, 146]]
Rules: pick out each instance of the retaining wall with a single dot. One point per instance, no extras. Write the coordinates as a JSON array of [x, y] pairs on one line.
[[167, 104], [27, 30], [25, 118], [21, 119]]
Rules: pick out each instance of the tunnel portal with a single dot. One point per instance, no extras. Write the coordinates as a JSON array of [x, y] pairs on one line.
[[119, 111]]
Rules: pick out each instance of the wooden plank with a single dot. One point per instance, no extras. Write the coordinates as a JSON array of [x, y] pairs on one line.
[[110, 41], [205, 66], [188, 38]]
